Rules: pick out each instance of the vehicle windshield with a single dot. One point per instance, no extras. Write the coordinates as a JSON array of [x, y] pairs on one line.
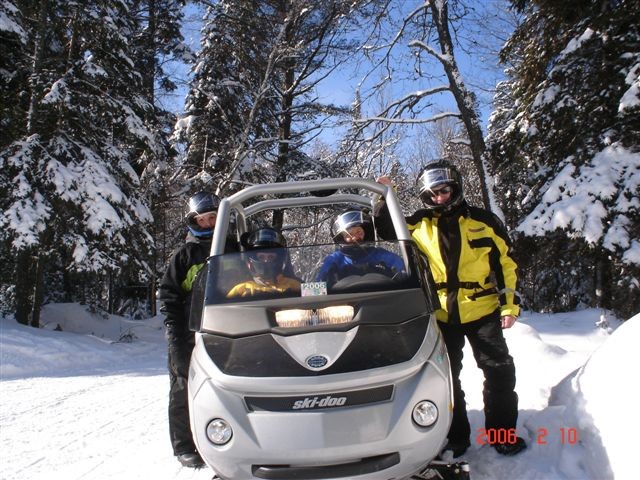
[[311, 270]]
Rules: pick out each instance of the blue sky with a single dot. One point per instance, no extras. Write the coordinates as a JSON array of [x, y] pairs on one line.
[[479, 68]]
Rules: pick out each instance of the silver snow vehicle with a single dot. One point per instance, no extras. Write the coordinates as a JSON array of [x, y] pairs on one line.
[[337, 380]]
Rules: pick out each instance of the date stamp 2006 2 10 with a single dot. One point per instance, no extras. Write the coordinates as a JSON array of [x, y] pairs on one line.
[[492, 436], [568, 436]]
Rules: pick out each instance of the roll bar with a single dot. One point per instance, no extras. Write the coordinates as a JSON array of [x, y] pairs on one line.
[[235, 203]]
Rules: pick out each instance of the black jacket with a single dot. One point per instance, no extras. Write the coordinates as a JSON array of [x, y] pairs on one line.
[[176, 286]]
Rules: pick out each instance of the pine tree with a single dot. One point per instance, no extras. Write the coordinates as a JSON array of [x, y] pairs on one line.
[[14, 61], [222, 106], [568, 155], [251, 108], [70, 195], [158, 46]]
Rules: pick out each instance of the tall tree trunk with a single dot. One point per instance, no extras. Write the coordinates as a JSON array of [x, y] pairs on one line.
[[284, 134], [38, 290], [464, 98], [24, 282], [38, 57], [283, 149], [26, 263]]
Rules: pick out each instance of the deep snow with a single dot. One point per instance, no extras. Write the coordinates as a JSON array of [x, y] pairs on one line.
[[82, 404]]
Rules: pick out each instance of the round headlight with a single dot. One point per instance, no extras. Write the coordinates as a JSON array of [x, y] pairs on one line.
[[425, 413], [219, 431]]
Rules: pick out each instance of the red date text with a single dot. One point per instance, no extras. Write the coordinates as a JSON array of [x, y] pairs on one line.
[[492, 436]]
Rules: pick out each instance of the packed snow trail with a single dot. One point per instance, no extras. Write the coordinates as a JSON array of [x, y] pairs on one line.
[[76, 406], [88, 427], [115, 427]]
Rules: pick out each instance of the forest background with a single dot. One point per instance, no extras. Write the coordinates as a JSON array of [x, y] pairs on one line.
[[96, 165]]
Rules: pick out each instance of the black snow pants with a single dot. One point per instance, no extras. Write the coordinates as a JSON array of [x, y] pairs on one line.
[[492, 357], [179, 427]]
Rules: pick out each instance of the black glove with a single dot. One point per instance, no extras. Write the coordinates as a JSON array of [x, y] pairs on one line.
[[383, 268], [179, 358]]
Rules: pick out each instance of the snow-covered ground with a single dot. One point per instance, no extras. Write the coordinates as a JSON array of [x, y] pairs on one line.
[[89, 402]]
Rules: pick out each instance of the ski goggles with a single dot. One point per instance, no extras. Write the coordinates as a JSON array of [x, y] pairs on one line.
[[433, 193], [434, 177]]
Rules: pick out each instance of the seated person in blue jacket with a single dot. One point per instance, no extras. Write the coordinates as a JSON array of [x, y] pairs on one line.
[[267, 261], [350, 230]]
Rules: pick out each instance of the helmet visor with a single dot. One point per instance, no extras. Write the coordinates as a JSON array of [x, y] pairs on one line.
[[347, 220], [203, 202], [267, 264], [434, 177], [266, 238]]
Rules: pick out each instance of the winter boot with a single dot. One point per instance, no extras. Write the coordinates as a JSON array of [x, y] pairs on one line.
[[511, 448], [456, 448], [191, 460]]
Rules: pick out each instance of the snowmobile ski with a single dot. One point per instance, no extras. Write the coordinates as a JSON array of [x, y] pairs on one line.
[[441, 470]]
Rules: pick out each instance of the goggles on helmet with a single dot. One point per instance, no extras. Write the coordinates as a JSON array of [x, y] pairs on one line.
[[431, 178], [265, 238], [347, 220]]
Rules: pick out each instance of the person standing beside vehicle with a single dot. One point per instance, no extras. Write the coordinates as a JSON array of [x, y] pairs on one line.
[[470, 257], [175, 297]]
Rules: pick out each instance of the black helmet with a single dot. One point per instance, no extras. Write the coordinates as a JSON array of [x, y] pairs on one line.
[[349, 219], [434, 175], [257, 242], [265, 237], [199, 203]]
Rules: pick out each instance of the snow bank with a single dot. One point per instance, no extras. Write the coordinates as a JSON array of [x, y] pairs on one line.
[[599, 399], [87, 343]]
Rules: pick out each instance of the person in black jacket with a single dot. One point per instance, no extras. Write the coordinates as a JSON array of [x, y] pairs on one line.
[[175, 296]]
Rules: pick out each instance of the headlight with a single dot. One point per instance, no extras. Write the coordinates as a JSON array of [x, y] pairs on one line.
[[425, 413], [219, 431], [321, 316]]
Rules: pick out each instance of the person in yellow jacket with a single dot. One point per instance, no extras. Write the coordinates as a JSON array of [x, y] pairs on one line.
[[469, 253], [267, 262]]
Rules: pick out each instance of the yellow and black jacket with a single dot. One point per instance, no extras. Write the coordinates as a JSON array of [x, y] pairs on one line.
[[253, 287], [469, 253]]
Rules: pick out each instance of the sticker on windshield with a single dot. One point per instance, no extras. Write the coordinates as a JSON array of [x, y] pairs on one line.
[[313, 289]]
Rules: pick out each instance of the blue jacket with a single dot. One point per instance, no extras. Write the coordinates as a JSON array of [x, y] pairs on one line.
[[338, 265]]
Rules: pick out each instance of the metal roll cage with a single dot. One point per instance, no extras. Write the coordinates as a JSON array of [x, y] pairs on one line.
[[235, 203]]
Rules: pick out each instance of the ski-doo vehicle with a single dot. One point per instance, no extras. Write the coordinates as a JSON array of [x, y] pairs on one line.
[[299, 377]]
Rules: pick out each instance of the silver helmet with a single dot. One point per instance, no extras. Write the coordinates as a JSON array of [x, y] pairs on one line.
[[200, 203], [438, 174], [348, 219]]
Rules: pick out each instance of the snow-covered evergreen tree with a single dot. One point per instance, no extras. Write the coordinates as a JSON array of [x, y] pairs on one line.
[[159, 50], [567, 155], [252, 104], [13, 64], [70, 196], [229, 96]]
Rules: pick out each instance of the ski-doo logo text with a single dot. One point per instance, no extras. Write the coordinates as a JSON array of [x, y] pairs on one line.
[[319, 402]]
